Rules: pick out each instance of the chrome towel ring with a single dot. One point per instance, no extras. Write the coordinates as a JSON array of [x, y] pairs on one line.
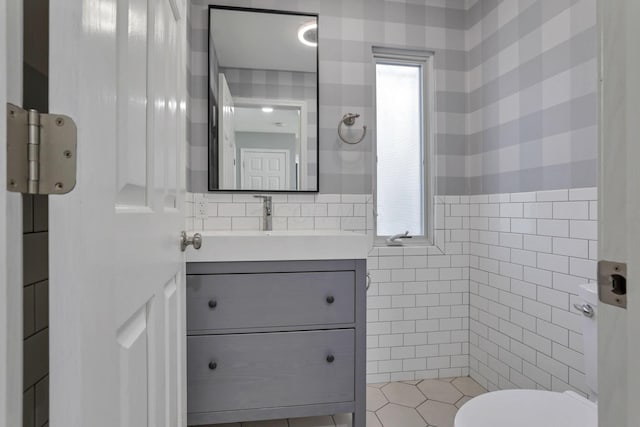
[[349, 119]]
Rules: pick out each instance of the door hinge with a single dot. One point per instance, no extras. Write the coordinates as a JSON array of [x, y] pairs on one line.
[[41, 152]]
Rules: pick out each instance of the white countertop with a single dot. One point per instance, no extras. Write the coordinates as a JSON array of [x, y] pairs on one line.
[[278, 245]]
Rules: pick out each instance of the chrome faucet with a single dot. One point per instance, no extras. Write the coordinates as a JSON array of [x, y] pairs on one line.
[[396, 239], [267, 212]]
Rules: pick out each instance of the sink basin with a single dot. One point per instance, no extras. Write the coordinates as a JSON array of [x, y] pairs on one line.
[[278, 245]]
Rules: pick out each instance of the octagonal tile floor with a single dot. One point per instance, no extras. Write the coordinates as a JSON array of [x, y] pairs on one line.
[[426, 403]]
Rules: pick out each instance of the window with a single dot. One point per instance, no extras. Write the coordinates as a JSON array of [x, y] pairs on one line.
[[402, 195]]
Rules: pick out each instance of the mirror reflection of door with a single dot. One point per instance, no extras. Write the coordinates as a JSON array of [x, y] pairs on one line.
[[265, 169], [227, 137], [264, 127]]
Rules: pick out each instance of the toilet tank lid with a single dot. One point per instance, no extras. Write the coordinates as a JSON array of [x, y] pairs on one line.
[[589, 293]]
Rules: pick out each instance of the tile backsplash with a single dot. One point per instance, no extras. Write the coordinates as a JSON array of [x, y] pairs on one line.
[[217, 211], [492, 298]]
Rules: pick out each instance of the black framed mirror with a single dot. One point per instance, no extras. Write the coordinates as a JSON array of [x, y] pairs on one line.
[[263, 100]]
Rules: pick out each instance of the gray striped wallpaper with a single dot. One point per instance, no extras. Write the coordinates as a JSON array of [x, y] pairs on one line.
[[515, 88], [532, 96], [348, 30]]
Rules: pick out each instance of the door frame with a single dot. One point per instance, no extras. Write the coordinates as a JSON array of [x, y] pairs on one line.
[[287, 171], [11, 226], [618, 207]]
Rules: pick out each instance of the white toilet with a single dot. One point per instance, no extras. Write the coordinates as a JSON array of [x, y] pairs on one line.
[[536, 408]]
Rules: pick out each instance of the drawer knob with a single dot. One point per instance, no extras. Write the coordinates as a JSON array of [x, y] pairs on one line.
[[330, 299], [213, 303], [330, 358], [213, 365]]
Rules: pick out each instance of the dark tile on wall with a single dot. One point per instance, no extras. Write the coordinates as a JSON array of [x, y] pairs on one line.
[[42, 402], [36, 93], [36, 257], [27, 213], [28, 407], [36, 358], [40, 213], [28, 310], [41, 306]]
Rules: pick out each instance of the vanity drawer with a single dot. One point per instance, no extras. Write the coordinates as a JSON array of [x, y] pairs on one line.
[[269, 370], [263, 300]]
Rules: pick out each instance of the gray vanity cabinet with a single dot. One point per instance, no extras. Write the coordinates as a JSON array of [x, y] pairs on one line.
[[280, 339]]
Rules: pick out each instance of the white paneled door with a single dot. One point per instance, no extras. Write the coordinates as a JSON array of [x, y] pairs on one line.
[[117, 332], [619, 209]]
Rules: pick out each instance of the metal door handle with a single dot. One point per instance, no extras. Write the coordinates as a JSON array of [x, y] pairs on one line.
[[195, 240], [585, 309], [368, 280]]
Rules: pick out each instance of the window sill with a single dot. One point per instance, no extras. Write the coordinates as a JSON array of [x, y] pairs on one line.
[[413, 243]]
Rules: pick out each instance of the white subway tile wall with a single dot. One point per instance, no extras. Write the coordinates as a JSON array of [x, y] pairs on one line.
[[493, 298], [418, 304], [233, 211], [524, 331]]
